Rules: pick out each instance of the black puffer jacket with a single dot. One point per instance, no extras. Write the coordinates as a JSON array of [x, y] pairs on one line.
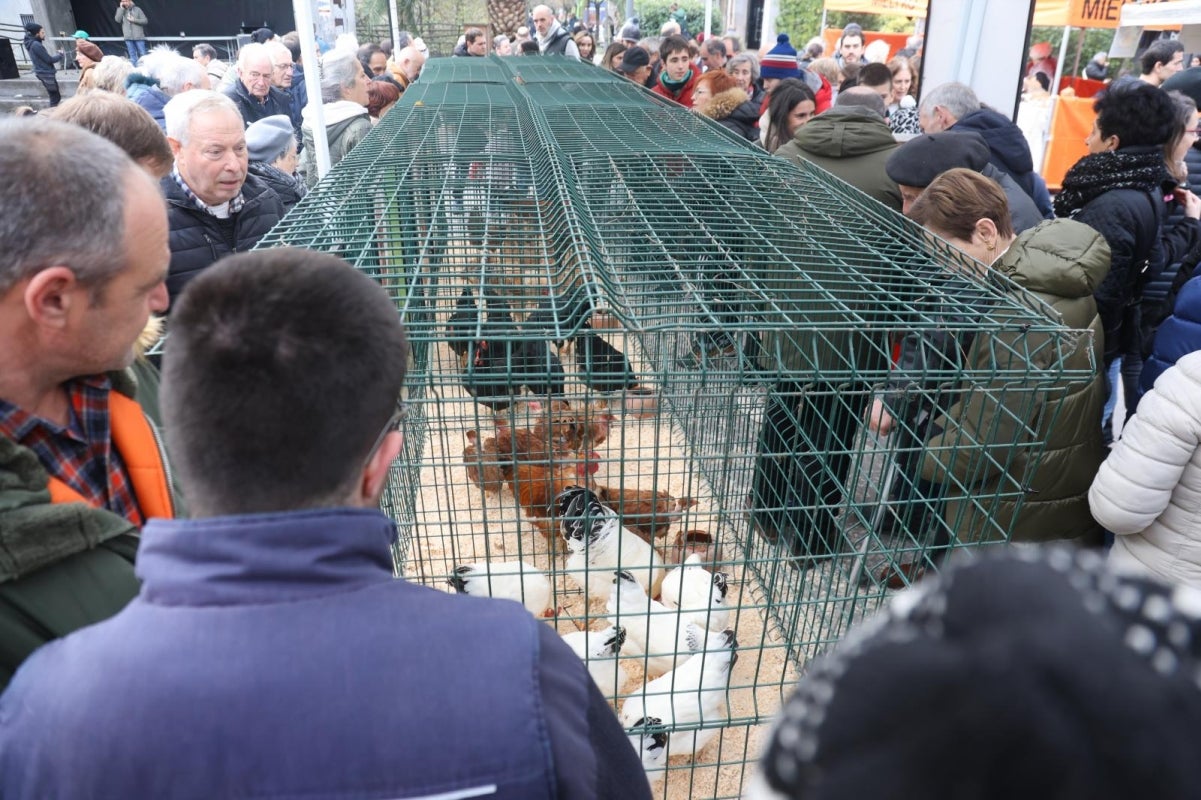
[[1182, 251], [734, 110], [277, 102], [287, 188], [1130, 220], [198, 239]]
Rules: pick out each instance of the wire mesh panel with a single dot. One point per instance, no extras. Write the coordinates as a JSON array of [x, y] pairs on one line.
[[638, 342]]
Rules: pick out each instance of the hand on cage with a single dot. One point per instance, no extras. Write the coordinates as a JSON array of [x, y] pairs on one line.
[[879, 421]]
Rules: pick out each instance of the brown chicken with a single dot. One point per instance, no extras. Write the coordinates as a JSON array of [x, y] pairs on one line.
[[484, 465], [646, 513], [536, 486]]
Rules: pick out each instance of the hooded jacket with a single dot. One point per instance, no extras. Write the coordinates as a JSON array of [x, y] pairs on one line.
[[62, 565], [43, 62], [145, 91], [346, 123], [65, 565], [1010, 151], [276, 655], [851, 144], [734, 110], [980, 454], [1148, 492]]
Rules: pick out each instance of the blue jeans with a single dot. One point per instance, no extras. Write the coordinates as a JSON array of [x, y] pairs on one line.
[[136, 48], [1111, 399]]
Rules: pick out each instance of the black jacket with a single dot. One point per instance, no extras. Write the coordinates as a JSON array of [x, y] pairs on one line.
[[1007, 145], [287, 188], [278, 102], [43, 62], [198, 239], [1130, 221]]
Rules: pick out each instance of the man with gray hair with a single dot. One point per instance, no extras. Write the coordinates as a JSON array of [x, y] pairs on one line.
[[852, 142], [553, 40], [214, 206], [252, 92], [163, 74], [954, 106], [80, 466], [206, 56]]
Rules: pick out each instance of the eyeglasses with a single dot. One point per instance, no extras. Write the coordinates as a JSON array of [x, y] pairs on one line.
[[395, 422]]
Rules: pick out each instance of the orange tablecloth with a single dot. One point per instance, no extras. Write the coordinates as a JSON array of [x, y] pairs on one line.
[[1071, 122]]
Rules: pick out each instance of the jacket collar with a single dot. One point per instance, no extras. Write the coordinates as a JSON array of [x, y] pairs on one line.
[[264, 558]]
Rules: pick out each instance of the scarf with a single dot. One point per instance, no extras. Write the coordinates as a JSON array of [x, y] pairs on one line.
[[675, 87], [1092, 176]]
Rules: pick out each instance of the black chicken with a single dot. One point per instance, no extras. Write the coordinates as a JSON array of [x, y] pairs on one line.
[[603, 368], [500, 363], [460, 328]]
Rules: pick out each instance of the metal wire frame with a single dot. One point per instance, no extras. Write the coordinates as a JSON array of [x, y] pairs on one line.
[[758, 303]]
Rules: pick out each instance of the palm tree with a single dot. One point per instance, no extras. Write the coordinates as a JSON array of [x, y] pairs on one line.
[[506, 16]]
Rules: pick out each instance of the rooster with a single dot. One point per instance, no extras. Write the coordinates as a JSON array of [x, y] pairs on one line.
[[536, 487], [598, 544], [647, 513], [485, 467]]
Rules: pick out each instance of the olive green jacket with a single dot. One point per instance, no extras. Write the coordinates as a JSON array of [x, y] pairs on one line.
[[62, 565], [982, 455]]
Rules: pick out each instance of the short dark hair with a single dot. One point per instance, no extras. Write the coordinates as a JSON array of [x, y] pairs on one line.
[[1160, 52], [56, 171], [714, 46], [857, 33], [471, 34], [875, 75], [672, 44], [1137, 113], [281, 370]]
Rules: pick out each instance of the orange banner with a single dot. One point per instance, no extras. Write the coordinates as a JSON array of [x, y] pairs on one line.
[[1081, 13]]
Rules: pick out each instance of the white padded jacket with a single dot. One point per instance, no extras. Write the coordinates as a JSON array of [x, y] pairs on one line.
[[1148, 492]]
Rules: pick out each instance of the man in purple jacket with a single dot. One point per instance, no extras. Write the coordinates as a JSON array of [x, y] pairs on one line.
[[271, 652]]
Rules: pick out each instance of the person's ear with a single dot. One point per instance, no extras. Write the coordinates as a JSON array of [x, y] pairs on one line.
[[1111, 142], [986, 233], [50, 295], [375, 471], [176, 146]]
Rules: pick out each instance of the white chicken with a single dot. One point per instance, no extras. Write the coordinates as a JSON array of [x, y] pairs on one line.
[[648, 737], [691, 694], [599, 651], [699, 594], [652, 629], [599, 544], [507, 580]]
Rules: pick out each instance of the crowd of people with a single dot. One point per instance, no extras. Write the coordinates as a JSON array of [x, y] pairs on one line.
[[277, 413]]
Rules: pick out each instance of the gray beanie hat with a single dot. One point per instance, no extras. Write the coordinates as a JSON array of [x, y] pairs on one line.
[[267, 139]]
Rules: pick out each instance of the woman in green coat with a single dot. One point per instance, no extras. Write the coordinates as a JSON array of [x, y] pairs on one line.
[[978, 452]]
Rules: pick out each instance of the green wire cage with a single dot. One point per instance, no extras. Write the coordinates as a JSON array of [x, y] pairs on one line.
[[605, 290]]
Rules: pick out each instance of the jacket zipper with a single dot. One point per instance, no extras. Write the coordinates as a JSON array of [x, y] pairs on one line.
[[162, 455]]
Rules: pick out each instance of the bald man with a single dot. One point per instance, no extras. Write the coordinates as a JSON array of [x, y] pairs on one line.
[[552, 39], [406, 65]]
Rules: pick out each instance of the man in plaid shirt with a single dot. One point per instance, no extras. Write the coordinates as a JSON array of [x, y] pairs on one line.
[[83, 264]]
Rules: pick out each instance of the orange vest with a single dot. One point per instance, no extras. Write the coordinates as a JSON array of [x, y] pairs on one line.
[[135, 441]]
